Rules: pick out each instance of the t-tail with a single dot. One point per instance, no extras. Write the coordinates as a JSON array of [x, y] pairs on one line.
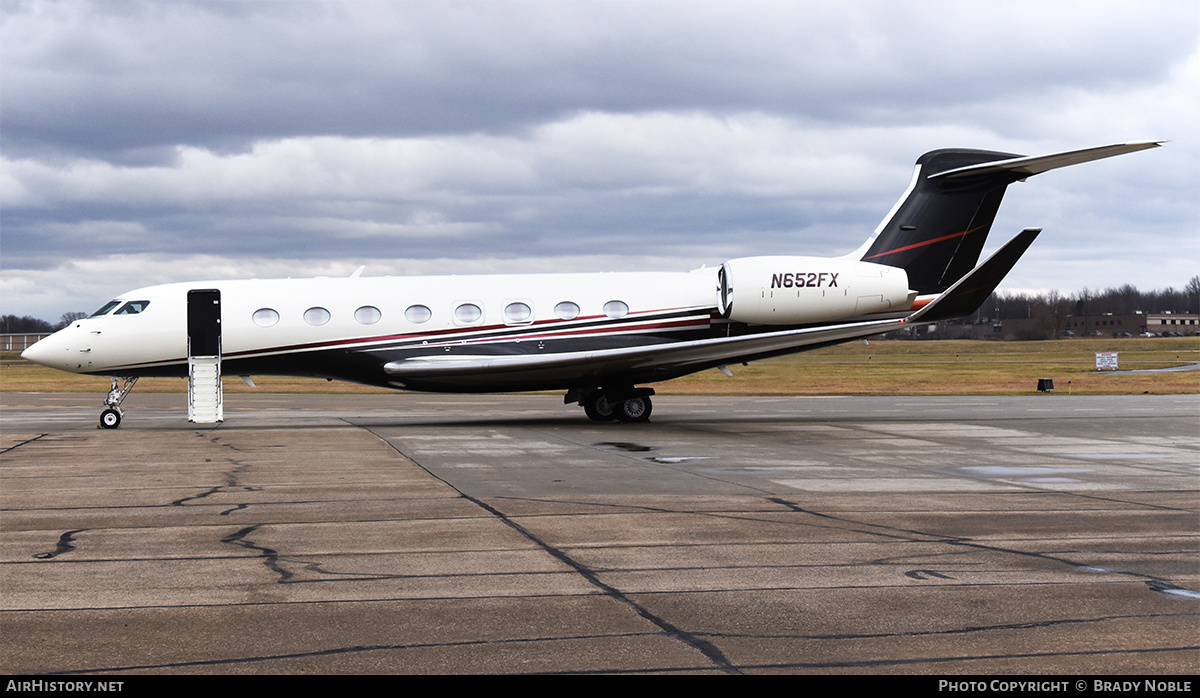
[[938, 228]]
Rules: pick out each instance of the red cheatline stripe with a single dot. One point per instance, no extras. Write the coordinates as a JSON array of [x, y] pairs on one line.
[[615, 328], [696, 322], [922, 244]]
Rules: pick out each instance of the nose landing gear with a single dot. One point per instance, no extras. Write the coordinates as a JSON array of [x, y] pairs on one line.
[[110, 418]]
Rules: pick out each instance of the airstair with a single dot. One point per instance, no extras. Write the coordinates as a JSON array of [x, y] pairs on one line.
[[204, 357], [204, 390]]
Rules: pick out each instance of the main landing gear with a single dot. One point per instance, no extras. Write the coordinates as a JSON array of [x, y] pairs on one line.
[[635, 407], [110, 418]]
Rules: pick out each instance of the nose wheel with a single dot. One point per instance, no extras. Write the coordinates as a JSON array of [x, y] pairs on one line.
[[110, 418]]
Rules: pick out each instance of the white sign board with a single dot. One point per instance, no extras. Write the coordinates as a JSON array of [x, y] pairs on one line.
[[1106, 359]]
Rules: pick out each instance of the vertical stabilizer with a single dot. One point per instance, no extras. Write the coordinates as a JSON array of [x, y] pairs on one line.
[[937, 232]]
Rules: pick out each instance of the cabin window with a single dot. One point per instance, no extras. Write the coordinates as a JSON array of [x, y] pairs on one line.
[[132, 308], [468, 313], [567, 310], [316, 316], [106, 307], [417, 314], [367, 315], [518, 313], [265, 317], [616, 309]]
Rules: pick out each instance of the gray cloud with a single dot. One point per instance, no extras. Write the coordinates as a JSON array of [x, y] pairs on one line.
[[551, 134], [114, 78]]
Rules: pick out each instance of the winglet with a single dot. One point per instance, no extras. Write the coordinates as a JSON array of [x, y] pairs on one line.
[[969, 292]]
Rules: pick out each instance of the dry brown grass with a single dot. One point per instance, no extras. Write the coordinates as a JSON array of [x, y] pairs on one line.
[[959, 368], [880, 367]]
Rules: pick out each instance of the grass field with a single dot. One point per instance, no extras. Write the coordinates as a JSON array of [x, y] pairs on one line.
[[858, 368]]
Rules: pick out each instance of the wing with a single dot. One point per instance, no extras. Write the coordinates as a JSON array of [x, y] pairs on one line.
[[675, 357]]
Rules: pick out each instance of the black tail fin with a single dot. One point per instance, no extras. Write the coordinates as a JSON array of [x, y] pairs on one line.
[[937, 232]]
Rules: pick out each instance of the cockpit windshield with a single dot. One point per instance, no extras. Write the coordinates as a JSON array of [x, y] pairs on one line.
[[132, 308], [107, 307]]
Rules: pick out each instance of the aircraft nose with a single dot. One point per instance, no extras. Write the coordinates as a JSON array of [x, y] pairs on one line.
[[48, 351], [36, 352]]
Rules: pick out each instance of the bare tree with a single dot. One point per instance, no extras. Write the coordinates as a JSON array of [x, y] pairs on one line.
[[68, 318]]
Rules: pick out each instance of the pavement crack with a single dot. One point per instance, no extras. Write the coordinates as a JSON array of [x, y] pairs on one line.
[[706, 648], [921, 536], [26, 441], [964, 630], [270, 556], [66, 543], [250, 660], [231, 485]]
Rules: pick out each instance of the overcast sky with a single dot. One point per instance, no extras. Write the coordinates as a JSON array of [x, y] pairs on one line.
[[148, 142]]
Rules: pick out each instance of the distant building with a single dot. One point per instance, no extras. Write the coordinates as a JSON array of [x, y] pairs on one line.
[[1028, 328], [1135, 323], [1107, 324], [1172, 322]]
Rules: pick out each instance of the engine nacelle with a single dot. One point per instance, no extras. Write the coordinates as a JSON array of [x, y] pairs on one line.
[[798, 290]]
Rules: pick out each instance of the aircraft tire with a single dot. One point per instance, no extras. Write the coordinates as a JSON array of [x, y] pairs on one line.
[[635, 409], [597, 408], [110, 419]]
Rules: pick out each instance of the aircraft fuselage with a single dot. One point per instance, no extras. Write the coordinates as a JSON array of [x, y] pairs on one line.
[[350, 328]]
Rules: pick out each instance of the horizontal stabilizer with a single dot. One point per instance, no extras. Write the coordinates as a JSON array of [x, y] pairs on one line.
[[970, 292], [1028, 166]]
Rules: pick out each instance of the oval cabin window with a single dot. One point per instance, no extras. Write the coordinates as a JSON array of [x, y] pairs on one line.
[[316, 316], [265, 317], [417, 314], [616, 309], [468, 313], [367, 315], [567, 310], [518, 312]]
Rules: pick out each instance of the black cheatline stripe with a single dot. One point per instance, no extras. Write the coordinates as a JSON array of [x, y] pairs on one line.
[[474, 336], [477, 335]]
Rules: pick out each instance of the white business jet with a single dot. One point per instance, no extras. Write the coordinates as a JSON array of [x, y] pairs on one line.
[[596, 336]]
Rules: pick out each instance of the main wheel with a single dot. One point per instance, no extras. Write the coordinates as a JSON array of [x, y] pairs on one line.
[[635, 409], [598, 409], [110, 419]]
